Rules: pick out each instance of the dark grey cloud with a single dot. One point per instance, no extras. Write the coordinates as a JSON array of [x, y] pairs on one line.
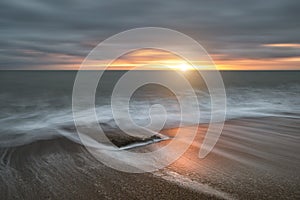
[[34, 31]]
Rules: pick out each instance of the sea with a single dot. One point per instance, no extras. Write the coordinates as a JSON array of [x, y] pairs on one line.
[[36, 105]]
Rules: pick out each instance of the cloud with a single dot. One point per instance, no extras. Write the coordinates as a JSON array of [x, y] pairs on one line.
[[71, 29]]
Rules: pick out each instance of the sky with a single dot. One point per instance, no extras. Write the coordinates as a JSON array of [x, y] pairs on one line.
[[238, 35]]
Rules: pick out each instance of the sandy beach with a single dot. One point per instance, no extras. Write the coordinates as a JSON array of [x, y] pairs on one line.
[[255, 158]]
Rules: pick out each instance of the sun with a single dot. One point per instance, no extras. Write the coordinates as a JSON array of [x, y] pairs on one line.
[[183, 67]]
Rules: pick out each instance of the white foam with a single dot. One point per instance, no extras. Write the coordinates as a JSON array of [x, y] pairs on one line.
[[43, 122]]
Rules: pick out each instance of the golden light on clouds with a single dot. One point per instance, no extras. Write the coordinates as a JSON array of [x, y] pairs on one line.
[[151, 59], [289, 45], [290, 63]]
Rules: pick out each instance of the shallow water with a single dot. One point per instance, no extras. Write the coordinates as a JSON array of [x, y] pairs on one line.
[[37, 104]]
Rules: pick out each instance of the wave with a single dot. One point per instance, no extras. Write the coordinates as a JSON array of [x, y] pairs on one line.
[[23, 121]]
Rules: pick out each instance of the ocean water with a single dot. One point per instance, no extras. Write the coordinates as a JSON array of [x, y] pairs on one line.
[[37, 105]]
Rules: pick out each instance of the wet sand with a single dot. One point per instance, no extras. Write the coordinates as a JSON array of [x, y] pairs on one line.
[[255, 158]]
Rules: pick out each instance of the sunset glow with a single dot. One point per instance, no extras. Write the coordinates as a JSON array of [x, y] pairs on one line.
[[290, 45], [183, 67], [151, 59]]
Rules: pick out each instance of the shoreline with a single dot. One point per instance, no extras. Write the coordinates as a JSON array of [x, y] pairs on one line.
[[255, 158]]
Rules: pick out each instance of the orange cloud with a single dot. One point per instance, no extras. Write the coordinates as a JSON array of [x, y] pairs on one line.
[[289, 45], [152, 59], [149, 59], [291, 63]]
